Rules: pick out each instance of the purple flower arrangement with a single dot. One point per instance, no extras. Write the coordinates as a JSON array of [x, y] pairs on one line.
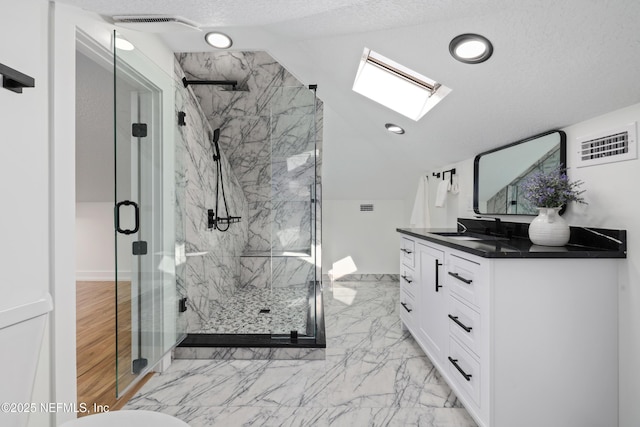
[[552, 189]]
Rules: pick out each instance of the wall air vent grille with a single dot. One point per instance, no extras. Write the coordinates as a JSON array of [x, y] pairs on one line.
[[156, 23], [608, 147], [147, 20], [366, 207]]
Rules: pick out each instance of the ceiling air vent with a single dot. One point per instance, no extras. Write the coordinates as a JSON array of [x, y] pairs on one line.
[[607, 147], [366, 207], [156, 23]]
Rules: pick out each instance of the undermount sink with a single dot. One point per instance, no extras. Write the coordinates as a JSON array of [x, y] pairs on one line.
[[463, 237]]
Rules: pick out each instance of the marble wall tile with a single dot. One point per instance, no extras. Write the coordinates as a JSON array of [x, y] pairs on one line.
[[277, 272], [292, 134], [371, 278], [255, 271], [290, 271], [291, 226], [260, 231], [293, 177], [212, 267], [269, 138]]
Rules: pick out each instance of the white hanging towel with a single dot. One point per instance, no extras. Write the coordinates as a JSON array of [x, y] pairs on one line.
[[455, 185], [441, 194], [420, 217]]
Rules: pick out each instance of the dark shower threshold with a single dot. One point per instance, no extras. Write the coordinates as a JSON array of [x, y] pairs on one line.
[[265, 340], [249, 340]]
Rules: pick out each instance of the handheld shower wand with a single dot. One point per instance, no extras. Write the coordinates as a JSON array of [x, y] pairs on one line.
[[214, 218], [216, 147]]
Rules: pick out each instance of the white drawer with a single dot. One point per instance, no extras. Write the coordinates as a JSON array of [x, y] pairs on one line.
[[464, 324], [408, 280], [407, 252], [462, 278], [464, 371], [407, 309]]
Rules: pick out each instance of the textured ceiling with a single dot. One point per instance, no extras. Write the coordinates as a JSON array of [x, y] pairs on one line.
[[555, 63]]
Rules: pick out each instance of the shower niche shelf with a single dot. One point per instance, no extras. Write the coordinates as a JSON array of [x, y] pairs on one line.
[[293, 253]]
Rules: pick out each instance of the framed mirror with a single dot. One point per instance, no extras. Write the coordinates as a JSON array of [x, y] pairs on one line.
[[499, 173]]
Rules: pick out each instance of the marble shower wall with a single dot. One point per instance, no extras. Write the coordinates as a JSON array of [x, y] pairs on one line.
[[210, 269], [267, 131]]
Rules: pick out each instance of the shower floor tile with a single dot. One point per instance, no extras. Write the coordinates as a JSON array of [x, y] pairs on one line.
[[261, 311]]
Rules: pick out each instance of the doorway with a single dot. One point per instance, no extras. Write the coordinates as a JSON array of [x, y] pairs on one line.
[[125, 277]]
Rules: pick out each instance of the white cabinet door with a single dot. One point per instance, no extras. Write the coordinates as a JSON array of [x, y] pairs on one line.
[[432, 301]]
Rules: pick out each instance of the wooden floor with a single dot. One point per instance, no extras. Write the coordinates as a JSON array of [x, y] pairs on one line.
[[96, 343]]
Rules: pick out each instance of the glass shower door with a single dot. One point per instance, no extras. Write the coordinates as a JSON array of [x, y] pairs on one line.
[[293, 214], [145, 261]]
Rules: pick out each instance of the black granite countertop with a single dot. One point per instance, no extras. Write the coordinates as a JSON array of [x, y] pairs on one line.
[[510, 240]]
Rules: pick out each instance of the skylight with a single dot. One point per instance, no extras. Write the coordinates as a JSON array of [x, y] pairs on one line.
[[396, 86]]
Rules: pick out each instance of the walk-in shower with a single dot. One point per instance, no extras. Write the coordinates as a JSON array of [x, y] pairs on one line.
[[260, 277]]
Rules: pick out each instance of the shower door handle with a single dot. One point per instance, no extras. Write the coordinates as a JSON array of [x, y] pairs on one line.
[[136, 213]]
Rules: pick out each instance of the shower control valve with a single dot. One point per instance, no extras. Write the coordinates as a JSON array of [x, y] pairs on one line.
[[211, 218]]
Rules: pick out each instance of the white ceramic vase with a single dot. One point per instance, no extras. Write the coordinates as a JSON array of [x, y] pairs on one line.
[[549, 228]]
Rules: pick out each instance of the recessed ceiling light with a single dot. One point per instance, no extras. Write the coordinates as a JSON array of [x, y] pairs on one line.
[[218, 40], [394, 128], [471, 48]]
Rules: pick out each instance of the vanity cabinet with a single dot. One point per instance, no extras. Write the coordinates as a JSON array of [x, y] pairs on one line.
[[432, 301], [408, 282], [524, 342]]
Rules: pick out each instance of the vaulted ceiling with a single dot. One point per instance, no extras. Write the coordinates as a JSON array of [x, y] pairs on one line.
[[555, 63]]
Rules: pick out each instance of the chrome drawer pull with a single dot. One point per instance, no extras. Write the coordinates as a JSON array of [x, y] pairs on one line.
[[459, 323], [462, 279], [404, 304], [463, 373], [406, 279], [406, 251]]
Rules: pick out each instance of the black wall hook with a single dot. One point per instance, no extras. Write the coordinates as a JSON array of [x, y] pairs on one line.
[[14, 80], [451, 172]]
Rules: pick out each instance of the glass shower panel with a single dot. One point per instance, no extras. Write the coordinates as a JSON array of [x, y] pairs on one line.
[[180, 171], [144, 215], [293, 211]]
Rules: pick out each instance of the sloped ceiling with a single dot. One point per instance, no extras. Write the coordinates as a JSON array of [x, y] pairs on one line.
[[555, 63]]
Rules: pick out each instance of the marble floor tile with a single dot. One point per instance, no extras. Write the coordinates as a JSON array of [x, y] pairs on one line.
[[374, 374], [232, 416], [399, 417], [344, 331], [237, 383], [384, 377]]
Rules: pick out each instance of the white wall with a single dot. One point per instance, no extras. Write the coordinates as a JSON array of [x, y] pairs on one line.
[[24, 171], [611, 191], [612, 194], [95, 258], [456, 205], [369, 238]]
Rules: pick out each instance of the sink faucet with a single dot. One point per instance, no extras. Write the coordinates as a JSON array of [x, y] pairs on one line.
[[498, 223]]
